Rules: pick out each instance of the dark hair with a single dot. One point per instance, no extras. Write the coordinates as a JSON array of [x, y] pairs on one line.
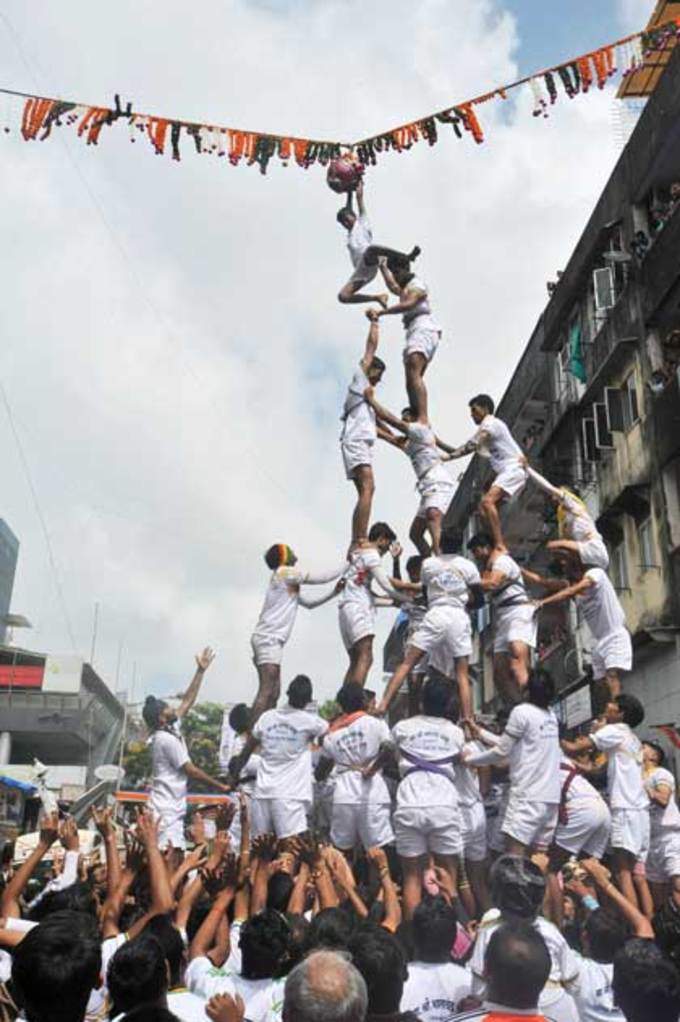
[[380, 959], [331, 928], [381, 530], [658, 750], [517, 886], [350, 697], [76, 898], [451, 541], [150, 1013], [377, 363], [279, 889], [435, 697], [137, 974], [453, 707], [483, 401], [161, 928], [415, 561], [540, 688], [607, 933], [434, 929], [272, 556], [56, 966], [517, 965], [369, 695], [632, 709], [408, 410], [240, 718], [300, 691], [666, 923], [264, 945], [151, 712], [646, 983], [480, 539], [342, 212]]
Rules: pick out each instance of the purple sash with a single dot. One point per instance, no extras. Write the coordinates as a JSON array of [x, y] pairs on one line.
[[430, 766]]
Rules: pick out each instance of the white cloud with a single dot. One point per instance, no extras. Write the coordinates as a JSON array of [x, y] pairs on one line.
[[173, 350], [633, 14]]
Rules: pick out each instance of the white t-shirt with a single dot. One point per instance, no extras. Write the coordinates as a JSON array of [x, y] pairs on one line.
[[358, 239], [663, 818], [600, 605], [285, 769], [421, 448], [430, 739], [592, 991], [563, 969], [513, 591], [580, 789], [433, 990], [535, 755], [421, 313], [186, 1006], [362, 563], [625, 783], [168, 780], [250, 768], [494, 441], [467, 778], [357, 744], [205, 980], [357, 415], [267, 1006], [447, 579], [576, 522], [279, 609]]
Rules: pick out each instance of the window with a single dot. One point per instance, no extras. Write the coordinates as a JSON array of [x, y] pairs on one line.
[[646, 544], [631, 414], [619, 567]]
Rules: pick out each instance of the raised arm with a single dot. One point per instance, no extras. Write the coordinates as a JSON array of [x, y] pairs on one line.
[[359, 191], [409, 298], [371, 345], [581, 586], [9, 904], [469, 447], [196, 774], [203, 662], [544, 484], [104, 824], [389, 437], [640, 925], [320, 600], [494, 755], [553, 585], [383, 413]]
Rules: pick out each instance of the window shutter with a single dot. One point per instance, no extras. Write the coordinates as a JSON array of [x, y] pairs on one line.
[[613, 399], [603, 284], [590, 448], [603, 438]]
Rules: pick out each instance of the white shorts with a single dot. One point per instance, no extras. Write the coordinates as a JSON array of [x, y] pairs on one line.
[[281, 816], [422, 829], [515, 624], [365, 824], [363, 273], [473, 829], [423, 340], [445, 633], [435, 495], [357, 620], [614, 652], [663, 861], [511, 479], [587, 829], [171, 832], [266, 650], [630, 831], [356, 453], [593, 553], [532, 823]]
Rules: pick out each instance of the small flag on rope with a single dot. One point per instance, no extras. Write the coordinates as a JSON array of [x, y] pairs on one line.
[[670, 731]]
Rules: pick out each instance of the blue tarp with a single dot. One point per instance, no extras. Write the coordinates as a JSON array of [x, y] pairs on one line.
[[10, 782]]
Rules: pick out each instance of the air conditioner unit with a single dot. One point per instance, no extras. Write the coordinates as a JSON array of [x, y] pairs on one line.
[[603, 285]]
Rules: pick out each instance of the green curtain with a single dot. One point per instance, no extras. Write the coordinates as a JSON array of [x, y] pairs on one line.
[[577, 366]]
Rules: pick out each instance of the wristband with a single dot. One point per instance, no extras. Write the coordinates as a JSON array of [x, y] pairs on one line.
[[589, 902]]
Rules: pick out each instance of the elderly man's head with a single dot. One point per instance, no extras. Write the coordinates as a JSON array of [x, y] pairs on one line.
[[325, 987]]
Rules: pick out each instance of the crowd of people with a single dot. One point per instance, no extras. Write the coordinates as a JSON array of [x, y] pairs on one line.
[[407, 860]]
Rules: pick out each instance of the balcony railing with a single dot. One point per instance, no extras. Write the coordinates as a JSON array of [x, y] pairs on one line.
[[660, 270]]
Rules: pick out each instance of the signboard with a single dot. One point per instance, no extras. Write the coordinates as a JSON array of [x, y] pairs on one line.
[[21, 676], [577, 707], [63, 674]]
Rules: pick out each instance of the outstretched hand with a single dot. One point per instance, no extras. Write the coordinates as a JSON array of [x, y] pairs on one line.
[[49, 829], [204, 659], [373, 315]]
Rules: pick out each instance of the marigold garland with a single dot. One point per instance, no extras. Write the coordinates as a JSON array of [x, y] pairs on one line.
[[577, 75]]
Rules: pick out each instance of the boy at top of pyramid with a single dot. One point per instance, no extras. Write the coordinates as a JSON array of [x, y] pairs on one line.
[[366, 257]]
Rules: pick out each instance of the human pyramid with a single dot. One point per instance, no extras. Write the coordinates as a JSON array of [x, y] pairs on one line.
[[442, 588]]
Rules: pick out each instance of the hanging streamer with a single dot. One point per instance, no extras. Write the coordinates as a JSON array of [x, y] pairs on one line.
[[41, 114]]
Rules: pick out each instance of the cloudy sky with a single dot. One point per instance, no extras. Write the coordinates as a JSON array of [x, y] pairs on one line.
[[173, 354]]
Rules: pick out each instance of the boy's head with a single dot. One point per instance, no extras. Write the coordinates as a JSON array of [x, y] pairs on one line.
[[239, 718], [413, 567], [161, 928], [435, 698], [56, 966], [346, 217], [300, 692], [157, 714], [451, 541], [375, 370], [264, 945], [540, 688], [624, 709], [380, 959], [604, 934], [370, 700], [517, 886], [646, 983], [350, 697], [137, 974], [516, 966], [481, 547], [480, 406], [382, 535], [280, 555], [653, 754], [434, 930], [400, 268]]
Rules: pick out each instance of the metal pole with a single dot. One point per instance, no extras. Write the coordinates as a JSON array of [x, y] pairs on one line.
[[94, 632]]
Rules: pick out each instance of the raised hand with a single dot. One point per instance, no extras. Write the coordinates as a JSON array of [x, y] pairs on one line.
[[103, 821], [224, 1008], [226, 812], [49, 829], [68, 834], [264, 847], [204, 659], [135, 853], [195, 858], [216, 879], [147, 829], [378, 857]]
